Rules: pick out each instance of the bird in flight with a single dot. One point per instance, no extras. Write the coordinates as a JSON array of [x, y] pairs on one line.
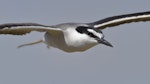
[[73, 37]]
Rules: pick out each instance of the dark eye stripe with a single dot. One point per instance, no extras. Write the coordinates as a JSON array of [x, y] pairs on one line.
[[84, 30], [92, 35]]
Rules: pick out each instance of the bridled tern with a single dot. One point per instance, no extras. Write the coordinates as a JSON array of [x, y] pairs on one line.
[[73, 37]]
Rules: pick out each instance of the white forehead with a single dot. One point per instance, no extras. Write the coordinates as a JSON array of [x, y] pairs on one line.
[[98, 34]]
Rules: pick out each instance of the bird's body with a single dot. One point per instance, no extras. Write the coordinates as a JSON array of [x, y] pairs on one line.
[[69, 39], [73, 37]]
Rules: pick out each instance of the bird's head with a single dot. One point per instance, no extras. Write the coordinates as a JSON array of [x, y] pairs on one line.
[[94, 34]]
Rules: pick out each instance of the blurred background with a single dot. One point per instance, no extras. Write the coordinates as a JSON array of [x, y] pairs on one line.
[[126, 63]]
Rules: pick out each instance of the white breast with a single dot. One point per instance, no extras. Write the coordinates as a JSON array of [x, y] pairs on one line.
[[78, 42], [70, 41]]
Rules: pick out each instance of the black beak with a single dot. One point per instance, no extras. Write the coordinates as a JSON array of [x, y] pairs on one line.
[[103, 41]]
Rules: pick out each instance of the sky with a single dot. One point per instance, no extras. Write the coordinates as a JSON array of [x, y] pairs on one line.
[[126, 63]]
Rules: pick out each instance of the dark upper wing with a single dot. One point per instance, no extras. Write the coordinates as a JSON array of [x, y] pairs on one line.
[[24, 28], [121, 19]]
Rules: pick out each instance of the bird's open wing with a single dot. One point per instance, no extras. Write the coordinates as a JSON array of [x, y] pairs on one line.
[[24, 28], [121, 19]]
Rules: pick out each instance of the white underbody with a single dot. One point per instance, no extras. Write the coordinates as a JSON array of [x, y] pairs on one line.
[[69, 42]]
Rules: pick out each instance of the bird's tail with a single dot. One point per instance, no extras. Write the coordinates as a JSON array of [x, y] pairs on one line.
[[28, 44]]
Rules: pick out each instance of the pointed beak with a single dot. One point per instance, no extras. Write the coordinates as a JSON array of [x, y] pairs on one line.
[[103, 41]]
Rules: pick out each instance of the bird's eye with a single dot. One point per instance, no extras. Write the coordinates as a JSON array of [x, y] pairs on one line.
[[92, 35], [86, 30]]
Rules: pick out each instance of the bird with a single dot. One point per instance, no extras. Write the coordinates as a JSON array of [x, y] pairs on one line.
[[73, 37]]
